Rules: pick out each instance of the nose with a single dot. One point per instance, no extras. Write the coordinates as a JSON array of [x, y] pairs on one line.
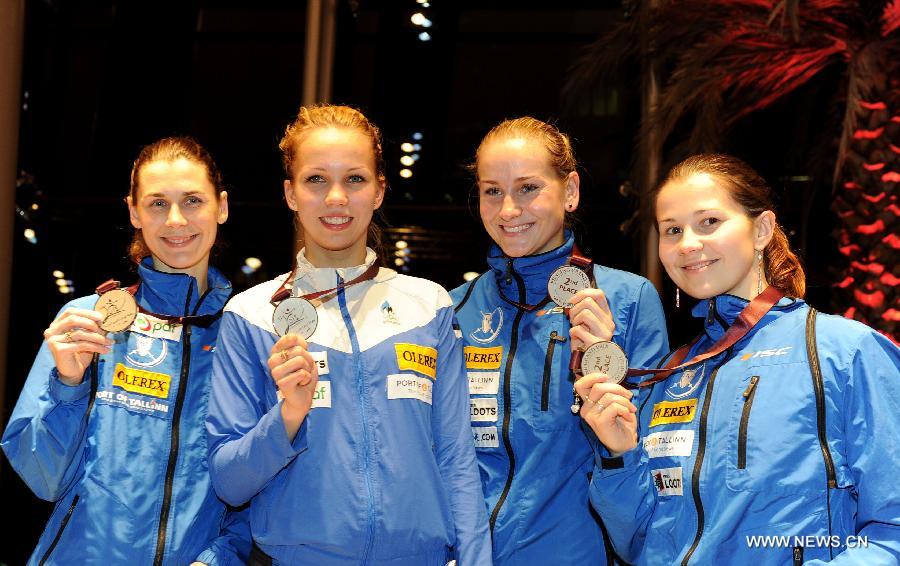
[[175, 217], [509, 209], [336, 195], [689, 242]]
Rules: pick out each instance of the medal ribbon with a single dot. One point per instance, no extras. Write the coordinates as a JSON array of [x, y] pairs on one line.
[[203, 320], [285, 292], [743, 324], [575, 260]]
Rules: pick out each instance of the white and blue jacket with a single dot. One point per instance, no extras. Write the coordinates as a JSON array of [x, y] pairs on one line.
[[123, 454], [382, 470], [749, 458], [534, 454]]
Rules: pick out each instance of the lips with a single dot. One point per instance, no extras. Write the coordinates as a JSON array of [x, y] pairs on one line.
[[179, 241], [698, 266], [518, 229]]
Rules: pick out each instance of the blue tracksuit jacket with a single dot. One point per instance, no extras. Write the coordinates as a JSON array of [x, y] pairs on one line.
[[127, 466], [534, 456], [746, 445], [382, 470]]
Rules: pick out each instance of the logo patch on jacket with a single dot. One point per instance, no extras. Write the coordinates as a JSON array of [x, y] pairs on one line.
[[156, 327], [142, 381], [766, 353], [687, 384], [146, 351], [666, 412], [422, 359], [483, 358], [491, 323], [483, 409], [387, 314], [669, 443], [409, 386], [667, 481], [485, 437], [484, 382]]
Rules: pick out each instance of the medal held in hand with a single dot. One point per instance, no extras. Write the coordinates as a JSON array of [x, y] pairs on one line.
[[605, 357], [564, 282], [295, 315], [118, 308]]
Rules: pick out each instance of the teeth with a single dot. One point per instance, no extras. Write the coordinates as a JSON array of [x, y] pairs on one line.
[[179, 240], [698, 266], [336, 219], [516, 229]]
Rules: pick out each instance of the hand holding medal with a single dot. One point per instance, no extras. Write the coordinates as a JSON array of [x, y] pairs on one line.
[[73, 338], [295, 374], [608, 410]]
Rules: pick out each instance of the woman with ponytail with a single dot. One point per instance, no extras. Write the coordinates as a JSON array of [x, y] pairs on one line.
[[769, 439], [110, 423]]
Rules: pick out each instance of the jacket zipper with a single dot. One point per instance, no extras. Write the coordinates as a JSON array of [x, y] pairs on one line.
[[62, 527], [548, 366], [698, 462], [176, 433], [749, 394], [819, 388], [507, 399], [360, 390]]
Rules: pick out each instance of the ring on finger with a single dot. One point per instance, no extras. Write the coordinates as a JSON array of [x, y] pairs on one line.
[[284, 356], [68, 335], [599, 407]]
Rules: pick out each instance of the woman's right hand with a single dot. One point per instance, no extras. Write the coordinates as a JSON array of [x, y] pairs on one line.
[[73, 338], [296, 375], [608, 410]]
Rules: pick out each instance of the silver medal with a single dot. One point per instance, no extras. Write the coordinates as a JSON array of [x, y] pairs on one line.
[[295, 315], [605, 357], [564, 282]]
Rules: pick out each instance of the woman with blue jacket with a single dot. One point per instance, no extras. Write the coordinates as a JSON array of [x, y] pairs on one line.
[[774, 438], [110, 422], [338, 410], [534, 454]]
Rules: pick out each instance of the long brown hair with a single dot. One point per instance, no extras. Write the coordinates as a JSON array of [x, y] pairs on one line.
[[170, 149], [781, 265]]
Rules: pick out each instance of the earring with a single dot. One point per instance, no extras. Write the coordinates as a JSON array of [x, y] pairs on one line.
[[677, 297], [569, 206], [759, 259]]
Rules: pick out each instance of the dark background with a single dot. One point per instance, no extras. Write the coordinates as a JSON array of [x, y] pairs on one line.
[[103, 78]]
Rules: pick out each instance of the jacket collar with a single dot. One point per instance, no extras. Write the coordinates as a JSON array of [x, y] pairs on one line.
[[320, 278], [177, 294], [531, 271], [721, 311]]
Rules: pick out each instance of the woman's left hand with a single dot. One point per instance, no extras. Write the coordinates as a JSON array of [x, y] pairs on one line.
[[591, 319]]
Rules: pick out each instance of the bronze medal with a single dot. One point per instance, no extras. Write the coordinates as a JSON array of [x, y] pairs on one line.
[[118, 308]]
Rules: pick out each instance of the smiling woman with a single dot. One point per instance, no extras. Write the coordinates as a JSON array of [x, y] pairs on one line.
[[98, 407], [782, 421], [338, 385], [533, 454]]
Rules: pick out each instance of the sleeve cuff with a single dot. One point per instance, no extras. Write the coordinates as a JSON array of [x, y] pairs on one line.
[[208, 557], [63, 393], [608, 464], [272, 427]]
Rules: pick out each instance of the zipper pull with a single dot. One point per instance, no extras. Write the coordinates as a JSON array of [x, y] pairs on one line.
[[710, 311], [751, 387], [557, 336], [509, 271]]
